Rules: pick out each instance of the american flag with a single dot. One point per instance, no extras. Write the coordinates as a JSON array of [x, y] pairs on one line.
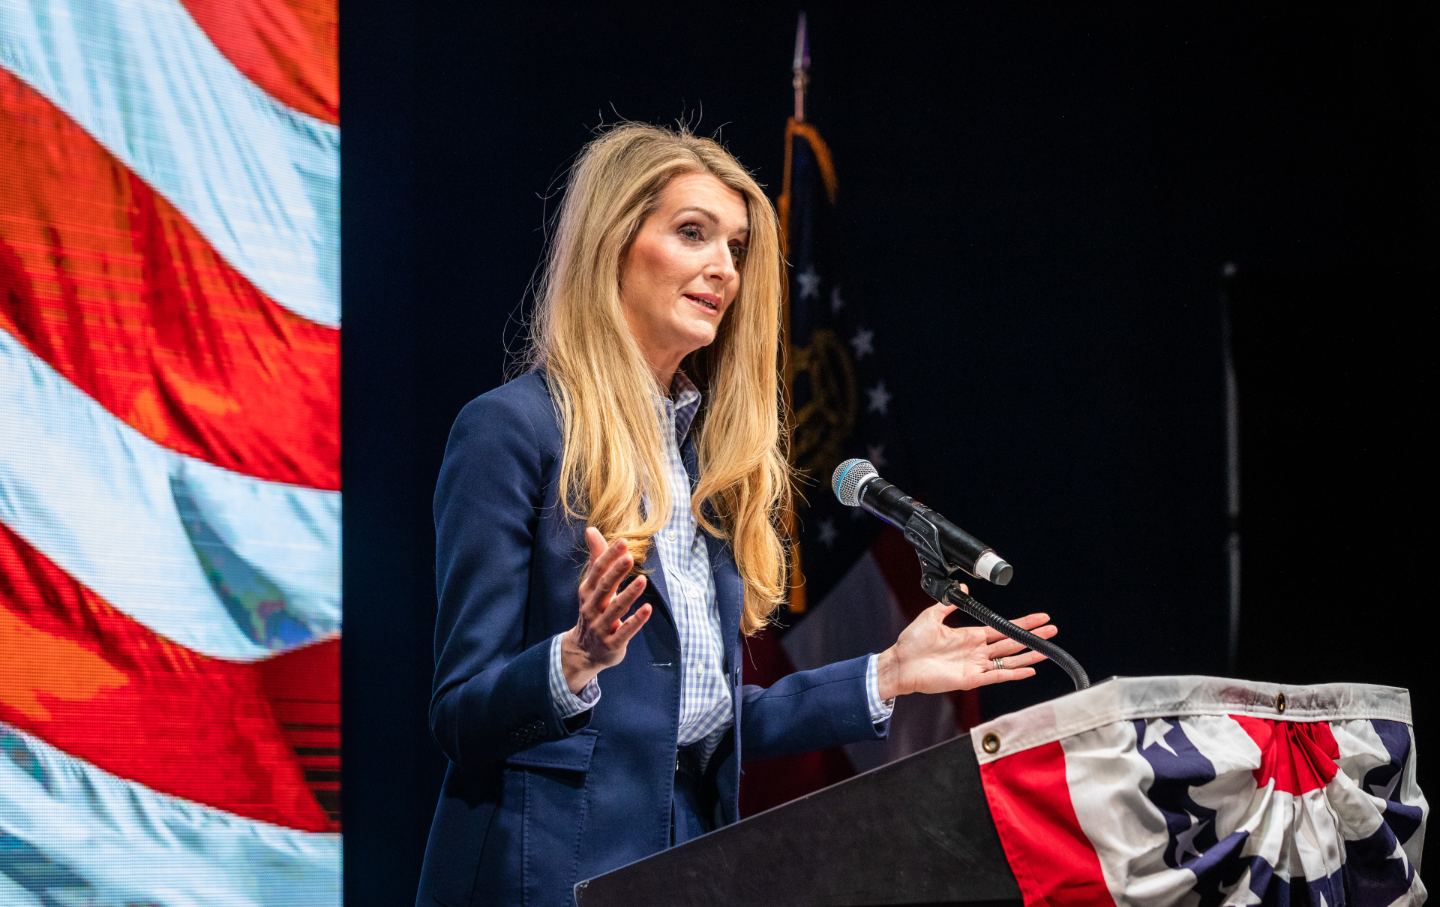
[[170, 603], [860, 581], [1207, 791]]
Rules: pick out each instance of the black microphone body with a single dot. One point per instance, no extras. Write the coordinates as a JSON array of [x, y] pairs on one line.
[[922, 526]]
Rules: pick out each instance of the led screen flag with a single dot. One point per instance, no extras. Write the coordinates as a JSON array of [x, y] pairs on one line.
[[1199, 791], [169, 452]]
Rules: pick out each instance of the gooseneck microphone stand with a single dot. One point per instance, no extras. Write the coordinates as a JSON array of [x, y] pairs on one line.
[[941, 582]]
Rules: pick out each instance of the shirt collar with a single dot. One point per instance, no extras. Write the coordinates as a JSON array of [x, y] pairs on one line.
[[683, 403]]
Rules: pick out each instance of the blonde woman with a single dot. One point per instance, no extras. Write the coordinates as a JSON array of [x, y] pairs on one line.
[[606, 534]]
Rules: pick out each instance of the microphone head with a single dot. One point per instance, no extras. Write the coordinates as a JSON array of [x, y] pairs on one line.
[[848, 478]]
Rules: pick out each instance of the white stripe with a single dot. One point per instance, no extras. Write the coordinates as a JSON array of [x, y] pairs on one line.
[[1131, 698], [859, 615], [259, 179], [75, 834], [110, 507], [1106, 780]]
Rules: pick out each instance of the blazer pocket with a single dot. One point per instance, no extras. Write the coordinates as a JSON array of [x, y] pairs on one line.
[[550, 780], [571, 753]]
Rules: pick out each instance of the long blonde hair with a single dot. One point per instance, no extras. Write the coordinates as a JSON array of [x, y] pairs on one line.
[[605, 390]]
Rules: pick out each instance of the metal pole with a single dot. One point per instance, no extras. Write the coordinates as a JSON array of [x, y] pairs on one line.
[[1232, 473], [801, 67]]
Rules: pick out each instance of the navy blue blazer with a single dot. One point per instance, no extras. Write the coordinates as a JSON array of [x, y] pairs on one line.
[[532, 804]]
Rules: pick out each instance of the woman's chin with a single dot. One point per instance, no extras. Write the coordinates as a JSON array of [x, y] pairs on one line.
[[699, 337]]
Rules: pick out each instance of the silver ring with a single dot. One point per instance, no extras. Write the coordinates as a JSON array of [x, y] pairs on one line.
[[999, 663]]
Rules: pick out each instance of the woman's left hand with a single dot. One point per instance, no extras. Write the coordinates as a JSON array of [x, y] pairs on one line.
[[930, 657]]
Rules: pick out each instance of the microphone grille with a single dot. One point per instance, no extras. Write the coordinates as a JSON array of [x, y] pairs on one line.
[[848, 478]]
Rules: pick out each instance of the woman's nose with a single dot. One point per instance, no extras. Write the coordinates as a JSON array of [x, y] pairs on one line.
[[722, 265]]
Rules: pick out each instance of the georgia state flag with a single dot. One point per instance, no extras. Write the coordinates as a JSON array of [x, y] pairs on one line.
[[1206, 791]]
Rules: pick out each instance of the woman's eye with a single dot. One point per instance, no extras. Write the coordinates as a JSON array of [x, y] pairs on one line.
[[692, 232], [737, 251]]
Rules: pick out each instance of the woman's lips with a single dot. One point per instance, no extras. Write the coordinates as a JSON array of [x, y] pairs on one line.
[[705, 300]]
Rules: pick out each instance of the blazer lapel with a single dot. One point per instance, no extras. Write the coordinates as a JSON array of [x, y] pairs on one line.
[[656, 578], [722, 567], [728, 593]]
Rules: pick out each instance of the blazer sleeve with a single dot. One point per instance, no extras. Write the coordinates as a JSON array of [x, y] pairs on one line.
[[808, 710], [491, 696]]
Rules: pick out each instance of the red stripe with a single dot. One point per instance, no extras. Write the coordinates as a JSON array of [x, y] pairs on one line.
[[901, 570], [1050, 855], [290, 48], [303, 689], [1300, 756], [109, 284], [100, 686]]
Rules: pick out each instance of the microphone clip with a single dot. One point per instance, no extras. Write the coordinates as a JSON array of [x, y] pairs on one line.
[[924, 536]]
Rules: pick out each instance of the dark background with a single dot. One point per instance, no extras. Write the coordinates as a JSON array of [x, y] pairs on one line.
[[1039, 205]]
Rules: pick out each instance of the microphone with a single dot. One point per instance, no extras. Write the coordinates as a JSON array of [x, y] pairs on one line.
[[857, 484]]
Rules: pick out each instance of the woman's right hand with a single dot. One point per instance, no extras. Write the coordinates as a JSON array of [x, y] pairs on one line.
[[600, 635]]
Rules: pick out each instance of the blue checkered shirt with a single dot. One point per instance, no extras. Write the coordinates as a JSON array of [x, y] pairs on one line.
[[706, 710]]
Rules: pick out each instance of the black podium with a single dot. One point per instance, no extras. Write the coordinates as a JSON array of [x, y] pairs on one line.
[[916, 831]]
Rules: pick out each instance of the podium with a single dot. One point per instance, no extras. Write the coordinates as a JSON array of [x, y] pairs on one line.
[[916, 831], [1147, 790]]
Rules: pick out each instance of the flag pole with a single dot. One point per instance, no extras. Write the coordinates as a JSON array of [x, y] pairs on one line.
[[801, 67], [800, 79]]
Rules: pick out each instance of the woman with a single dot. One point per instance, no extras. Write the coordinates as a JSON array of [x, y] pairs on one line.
[[640, 461]]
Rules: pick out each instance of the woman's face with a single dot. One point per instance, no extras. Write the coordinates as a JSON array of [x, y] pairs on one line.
[[681, 271]]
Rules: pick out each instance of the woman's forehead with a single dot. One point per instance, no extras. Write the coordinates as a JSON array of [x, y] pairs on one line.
[[705, 195]]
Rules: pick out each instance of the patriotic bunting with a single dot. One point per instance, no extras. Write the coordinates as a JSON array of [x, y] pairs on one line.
[[1205, 791]]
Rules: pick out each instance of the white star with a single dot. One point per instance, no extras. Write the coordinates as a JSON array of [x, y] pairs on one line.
[[864, 342], [1185, 841], [875, 453], [1386, 791], [809, 283], [1155, 732], [879, 399], [828, 533], [1242, 888], [836, 303]]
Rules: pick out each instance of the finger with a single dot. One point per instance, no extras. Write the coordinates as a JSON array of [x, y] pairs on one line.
[[602, 558], [1025, 658], [992, 677], [615, 572], [621, 602], [1002, 648], [600, 601], [596, 548], [595, 542], [615, 557], [1006, 646], [1029, 622], [631, 625]]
